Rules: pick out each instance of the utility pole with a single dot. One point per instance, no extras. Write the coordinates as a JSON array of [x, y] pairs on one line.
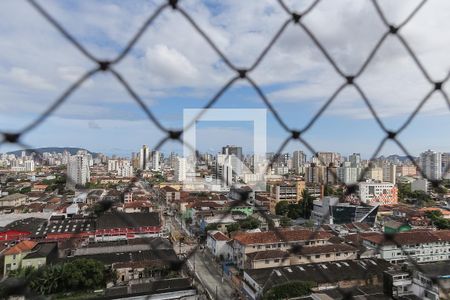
[[216, 292]]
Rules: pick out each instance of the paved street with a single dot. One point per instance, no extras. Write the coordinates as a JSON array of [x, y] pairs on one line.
[[210, 276]]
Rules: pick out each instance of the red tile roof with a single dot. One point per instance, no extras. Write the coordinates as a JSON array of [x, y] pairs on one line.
[[219, 236], [21, 247], [281, 236], [410, 237], [261, 255]]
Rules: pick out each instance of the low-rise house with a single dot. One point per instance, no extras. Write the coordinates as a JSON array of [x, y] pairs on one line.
[[397, 283], [137, 206], [174, 288], [300, 256], [13, 200], [284, 240], [41, 255], [39, 187], [113, 196], [216, 242], [13, 256], [392, 226], [169, 194], [419, 245], [131, 265], [432, 281], [94, 196], [119, 225], [325, 276]]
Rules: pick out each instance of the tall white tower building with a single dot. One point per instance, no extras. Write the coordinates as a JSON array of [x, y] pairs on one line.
[[143, 158], [156, 155], [431, 164], [180, 169], [78, 170], [298, 162]]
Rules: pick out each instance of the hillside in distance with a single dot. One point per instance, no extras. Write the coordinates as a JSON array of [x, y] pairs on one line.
[[71, 150]]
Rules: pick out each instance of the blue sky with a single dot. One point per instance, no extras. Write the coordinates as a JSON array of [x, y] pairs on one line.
[[172, 68]]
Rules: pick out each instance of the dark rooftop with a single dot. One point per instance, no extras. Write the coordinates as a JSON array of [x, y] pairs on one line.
[[320, 273], [436, 270], [28, 224], [41, 250], [127, 220], [155, 287], [167, 256]]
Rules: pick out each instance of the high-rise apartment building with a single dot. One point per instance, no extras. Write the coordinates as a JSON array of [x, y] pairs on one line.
[[180, 169], [298, 162], [29, 165], [446, 165], [355, 160], [431, 164], [389, 173], [231, 149], [78, 170], [327, 158], [348, 174], [143, 157], [156, 160], [375, 174]]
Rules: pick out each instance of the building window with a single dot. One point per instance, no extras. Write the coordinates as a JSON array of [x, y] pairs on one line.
[[338, 254], [327, 255], [277, 260], [267, 261], [318, 256]]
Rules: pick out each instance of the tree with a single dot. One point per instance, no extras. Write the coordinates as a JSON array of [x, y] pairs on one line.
[[307, 204], [212, 226], [77, 275], [436, 217], [294, 211], [250, 223], [232, 227], [289, 290], [285, 222], [328, 190], [282, 208], [271, 224]]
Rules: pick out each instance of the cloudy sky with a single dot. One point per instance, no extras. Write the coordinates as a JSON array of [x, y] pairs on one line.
[[172, 68]]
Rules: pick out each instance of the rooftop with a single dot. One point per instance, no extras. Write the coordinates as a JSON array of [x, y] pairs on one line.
[[13, 197], [153, 287], [219, 236], [281, 236], [23, 246], [436, 270], [127, 220], [409, 237], [167, 256], [28, 224], [329, 272], [41, 250]]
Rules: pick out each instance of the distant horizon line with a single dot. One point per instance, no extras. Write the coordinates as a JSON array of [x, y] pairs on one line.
[[109, 154]]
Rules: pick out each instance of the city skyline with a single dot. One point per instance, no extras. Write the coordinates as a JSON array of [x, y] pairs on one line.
[[101, 115]]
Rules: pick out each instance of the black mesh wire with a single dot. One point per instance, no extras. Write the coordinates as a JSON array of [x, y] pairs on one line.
[[293, 18]]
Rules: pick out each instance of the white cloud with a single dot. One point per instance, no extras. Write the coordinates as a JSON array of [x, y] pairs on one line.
[[171, 54], [171, 65], [25, 77]]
